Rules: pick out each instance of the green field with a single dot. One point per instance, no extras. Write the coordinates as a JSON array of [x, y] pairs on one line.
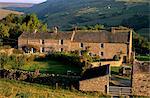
[[50, 66], [16, 89], [143, 58], [4, 13]]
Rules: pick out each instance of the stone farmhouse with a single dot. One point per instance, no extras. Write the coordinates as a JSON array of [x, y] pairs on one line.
[[104, 43]]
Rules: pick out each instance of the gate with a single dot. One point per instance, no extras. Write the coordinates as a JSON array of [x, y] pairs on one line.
[[116, 90]]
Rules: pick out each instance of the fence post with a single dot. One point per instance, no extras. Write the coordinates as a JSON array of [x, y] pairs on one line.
[[56, 85]]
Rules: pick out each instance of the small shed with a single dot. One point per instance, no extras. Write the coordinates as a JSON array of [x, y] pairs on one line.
[[95, 79]]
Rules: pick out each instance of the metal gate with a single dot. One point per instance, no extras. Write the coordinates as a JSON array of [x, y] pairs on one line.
[[116, 90]]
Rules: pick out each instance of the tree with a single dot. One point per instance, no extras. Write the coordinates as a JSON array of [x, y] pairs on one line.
[[3, 60], [13, 26], [98, 27], [4, 30], [140, 44]]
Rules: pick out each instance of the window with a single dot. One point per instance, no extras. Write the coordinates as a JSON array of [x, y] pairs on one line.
[[101, 45], [90, 54], [61, 49], [102, 53], [80, 53], [43, 49], [43, 42], [61, 42], [81, 45]]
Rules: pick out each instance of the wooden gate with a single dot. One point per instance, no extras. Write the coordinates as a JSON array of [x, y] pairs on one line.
[[116, 90]]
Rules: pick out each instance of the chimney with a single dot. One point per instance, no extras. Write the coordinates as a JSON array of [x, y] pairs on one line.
[[55, 30], [73, 34], [113, 29], [75, 28]]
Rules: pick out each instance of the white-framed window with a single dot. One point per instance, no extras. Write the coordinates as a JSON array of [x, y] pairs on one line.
[[43, 42], [61, 42], [43, 49], [81, 45], [101, 45], [61, 49], [101, 53]]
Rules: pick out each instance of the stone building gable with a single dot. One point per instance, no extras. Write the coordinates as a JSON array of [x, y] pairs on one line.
[[141, 78]]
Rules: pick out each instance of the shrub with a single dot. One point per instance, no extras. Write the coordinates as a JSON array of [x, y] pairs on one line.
[[16, 51], [67, 58], [3, 60]]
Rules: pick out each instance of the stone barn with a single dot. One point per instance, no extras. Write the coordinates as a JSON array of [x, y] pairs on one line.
[[95, 79], [141, 78]]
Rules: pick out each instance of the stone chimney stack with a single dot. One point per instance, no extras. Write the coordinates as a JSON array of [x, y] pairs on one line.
[[55, 30], [113, 30]]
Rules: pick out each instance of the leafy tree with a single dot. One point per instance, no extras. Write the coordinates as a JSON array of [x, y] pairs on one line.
[[4, 30], [3, 60], [140, 44], [98, 27], [13, 25]]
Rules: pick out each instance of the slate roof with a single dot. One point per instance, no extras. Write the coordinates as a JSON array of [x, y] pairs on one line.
[[96, 72], [60, 35], [93, 36], [101, 36]]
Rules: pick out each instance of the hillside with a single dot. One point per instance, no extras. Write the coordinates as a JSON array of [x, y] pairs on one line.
[[134, 0], [15, 6], [19, 5], [68, 13], [4, 13]]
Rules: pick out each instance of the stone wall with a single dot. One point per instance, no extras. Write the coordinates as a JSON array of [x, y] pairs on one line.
[[111, 63], [109, 49], [95, 84], [49, 44], [141, 79]]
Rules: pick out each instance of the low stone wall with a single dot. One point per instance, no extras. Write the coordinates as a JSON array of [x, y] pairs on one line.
[[95, 84], [53, 80], [112, 63]]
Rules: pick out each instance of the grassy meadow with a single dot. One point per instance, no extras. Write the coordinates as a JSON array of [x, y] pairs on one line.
[[50, 66], [4, 13], [16, 89], [143, 58]]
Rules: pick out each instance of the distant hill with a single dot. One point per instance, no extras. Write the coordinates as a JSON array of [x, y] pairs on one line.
[[4, 13], [19, 5], [15, 6], [134, 0], [69, 13]]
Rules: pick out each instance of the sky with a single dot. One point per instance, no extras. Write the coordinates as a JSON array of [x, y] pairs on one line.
[[23, 1]]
